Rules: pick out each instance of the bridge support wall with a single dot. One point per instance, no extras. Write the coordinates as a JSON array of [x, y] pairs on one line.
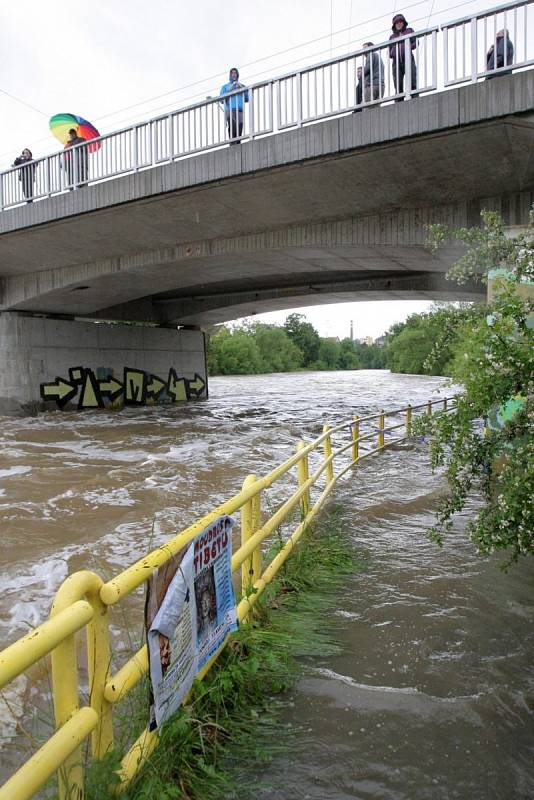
[[69, 364]]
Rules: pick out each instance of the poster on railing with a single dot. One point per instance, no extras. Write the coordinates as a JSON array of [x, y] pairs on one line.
[[190, 610]]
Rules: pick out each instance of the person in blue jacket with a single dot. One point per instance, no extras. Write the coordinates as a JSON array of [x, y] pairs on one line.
[[234, 105]]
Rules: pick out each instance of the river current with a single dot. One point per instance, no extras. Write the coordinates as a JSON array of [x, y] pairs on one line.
[[432, 693]]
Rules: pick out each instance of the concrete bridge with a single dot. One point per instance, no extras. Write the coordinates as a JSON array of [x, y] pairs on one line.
[[333, 211], [327, 213]]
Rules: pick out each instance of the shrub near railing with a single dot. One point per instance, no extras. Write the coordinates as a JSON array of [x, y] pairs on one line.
[[83, 601]]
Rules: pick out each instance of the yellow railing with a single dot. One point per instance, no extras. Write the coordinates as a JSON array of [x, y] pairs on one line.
[[83, 600]]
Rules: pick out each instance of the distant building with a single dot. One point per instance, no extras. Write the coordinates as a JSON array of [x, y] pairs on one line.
[[368, 340]]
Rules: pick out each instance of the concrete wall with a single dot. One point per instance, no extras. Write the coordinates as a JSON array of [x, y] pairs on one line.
[[50, 363]]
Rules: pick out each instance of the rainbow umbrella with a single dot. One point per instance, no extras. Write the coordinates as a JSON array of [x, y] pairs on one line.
[[61, 124]]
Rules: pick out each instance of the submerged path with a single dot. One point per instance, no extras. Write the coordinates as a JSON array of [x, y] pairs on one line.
[[433, 691]]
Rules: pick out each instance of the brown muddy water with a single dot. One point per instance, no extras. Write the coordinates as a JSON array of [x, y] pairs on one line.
[[432, 693]]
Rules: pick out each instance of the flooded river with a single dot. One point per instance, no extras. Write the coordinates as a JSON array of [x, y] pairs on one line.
[[433, 691]]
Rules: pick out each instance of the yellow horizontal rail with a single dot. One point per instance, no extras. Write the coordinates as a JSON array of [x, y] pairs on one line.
[[83, 600], [27, 650], [49, 758]]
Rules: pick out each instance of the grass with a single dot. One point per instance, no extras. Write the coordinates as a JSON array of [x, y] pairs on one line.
[[234, 717]]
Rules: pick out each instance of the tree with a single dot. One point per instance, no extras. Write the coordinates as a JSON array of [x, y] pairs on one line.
[[278, 352], [327, 356], [304, 335], [234, 353], [426, 343], [487, 440]]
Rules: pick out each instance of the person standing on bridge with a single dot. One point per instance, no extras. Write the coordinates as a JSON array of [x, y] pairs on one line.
[[234, 105], [397, 53], [500, 54], [82, 160], [370, 78], [26, 173]]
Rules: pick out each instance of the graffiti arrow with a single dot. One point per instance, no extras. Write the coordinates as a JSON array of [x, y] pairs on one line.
[[155, 387], [197, 385], [60, 390], [110, 387]]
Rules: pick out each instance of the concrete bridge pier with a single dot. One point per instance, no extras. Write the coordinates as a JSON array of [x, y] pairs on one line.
[[61, 363]]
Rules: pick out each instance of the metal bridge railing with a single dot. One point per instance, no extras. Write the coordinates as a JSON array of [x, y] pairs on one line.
[[426, 61], [84, 600]]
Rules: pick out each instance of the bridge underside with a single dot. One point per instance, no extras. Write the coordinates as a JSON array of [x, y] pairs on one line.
[[222, 303], [333, 212]]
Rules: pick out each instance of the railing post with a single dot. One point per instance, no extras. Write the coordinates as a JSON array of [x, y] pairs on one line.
[[407, 68], [435, 59], [2, 192], [474, 45], [303, 475], [251, 114], [429, 408], [327, 453], [409, 420], [99, 663], [299, 99], [170, 148], [381, 425], [355, 438], [65, 678], [250, 517], [135, 149], [66, 703], [445, 404], [48, 182]]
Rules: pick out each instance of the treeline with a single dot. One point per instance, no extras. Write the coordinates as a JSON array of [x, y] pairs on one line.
[[426, 344], [430, 343], [255, 348]]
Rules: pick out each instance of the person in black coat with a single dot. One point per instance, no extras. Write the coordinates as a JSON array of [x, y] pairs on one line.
[[397, 53], [500, 54], [26, 173], [82, 159]]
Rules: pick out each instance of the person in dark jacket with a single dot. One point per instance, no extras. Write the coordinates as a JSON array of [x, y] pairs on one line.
[[234, 106], [370, 78], [397, 53], [82, 160], [505, 53], [26, 173]]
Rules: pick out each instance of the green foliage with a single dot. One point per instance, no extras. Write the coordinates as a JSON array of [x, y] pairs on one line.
[[304, 335], [487, 441], [257, 348], [278, 352], [426, 344], [234, 353], [232, 717], [487, 247]]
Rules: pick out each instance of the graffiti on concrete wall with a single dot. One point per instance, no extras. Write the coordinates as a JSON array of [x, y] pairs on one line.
[[99, 389]]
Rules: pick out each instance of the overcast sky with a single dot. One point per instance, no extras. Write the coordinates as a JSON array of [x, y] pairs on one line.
[[123, 62]]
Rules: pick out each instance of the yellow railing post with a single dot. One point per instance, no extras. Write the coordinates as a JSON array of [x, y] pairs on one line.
[[65, 677], [250, 522], [381, 425], [429, 408], [303, 475], [327, 453], [256, 522], [409, 420], [355, 438]]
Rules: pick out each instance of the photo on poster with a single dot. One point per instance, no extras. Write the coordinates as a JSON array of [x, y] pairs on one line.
[[206, 600]]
